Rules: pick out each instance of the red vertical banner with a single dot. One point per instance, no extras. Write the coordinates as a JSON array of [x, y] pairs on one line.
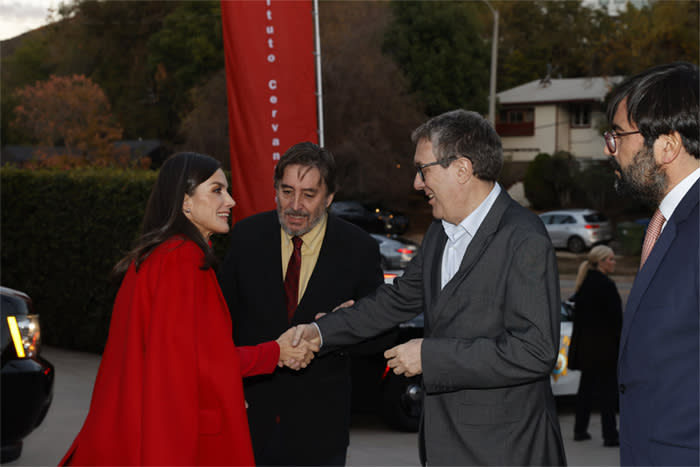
[[271, 89]]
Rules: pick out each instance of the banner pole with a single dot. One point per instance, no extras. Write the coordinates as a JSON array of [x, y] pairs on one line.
[[319, 87]]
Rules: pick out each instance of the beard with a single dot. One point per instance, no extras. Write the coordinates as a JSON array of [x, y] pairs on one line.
[[314, 218], [643, 179]]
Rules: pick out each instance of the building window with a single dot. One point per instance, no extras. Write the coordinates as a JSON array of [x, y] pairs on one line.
[[580, 115], [516, 122]]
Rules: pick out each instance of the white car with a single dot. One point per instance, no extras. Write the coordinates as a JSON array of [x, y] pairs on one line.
[[577, 229]]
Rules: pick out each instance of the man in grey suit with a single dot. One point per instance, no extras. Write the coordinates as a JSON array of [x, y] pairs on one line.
[[486, 280]]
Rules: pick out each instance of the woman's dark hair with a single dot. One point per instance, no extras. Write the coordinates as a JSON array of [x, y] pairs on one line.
[[179, 175]]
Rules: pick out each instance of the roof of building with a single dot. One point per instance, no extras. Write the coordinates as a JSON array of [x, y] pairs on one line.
[[559, 90]]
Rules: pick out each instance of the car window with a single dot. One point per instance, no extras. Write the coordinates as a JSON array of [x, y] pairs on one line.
[[13, 306], [595, 217], [546, 219], [568, 220]]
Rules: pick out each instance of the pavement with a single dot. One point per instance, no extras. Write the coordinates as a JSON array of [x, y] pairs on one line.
[[371, 442]]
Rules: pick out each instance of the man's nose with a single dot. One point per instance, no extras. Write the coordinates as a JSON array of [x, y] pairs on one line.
[[418, 183], [297, 202]]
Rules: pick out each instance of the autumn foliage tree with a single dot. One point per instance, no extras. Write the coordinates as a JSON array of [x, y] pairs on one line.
[[73, 112]]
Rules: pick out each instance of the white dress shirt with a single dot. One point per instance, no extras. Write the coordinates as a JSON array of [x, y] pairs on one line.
[[460, 236]]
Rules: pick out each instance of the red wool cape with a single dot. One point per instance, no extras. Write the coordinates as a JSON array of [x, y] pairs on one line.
[[169, 389]]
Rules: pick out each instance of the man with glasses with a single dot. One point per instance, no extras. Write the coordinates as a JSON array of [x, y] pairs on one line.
[[486, 280], [655, 150]]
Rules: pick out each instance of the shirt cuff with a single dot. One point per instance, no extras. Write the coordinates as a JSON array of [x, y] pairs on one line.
[[319, 332]]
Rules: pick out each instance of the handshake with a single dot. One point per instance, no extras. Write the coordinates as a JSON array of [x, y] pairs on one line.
[[297, 346]]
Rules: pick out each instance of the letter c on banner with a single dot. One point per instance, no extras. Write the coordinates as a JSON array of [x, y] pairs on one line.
[[272, 84]]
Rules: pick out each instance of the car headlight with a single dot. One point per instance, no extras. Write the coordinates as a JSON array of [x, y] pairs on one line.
[[26, 335]]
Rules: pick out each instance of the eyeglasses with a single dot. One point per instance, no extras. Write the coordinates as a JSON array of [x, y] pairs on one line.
[[420, 167], [610, 136]]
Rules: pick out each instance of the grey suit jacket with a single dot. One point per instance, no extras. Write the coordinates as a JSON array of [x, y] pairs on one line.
[[491, 339]]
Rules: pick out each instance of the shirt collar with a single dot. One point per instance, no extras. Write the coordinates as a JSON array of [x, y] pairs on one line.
[[471, 223], [674, 197], [313, 238]]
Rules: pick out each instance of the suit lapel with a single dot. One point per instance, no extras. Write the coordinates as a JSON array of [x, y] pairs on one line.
[[646, 274], [476, 248]]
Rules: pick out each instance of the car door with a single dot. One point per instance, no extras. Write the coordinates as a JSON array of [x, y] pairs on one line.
[[550, 223], [560, 229]]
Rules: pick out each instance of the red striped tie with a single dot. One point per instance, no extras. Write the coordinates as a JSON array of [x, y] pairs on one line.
[[291, 280], [653, 232]]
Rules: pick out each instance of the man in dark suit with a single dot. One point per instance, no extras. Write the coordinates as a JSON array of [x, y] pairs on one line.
[[486, 280], [655, 149], [301, 418]]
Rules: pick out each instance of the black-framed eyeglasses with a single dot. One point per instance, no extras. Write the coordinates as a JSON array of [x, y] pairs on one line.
[[610, 137], [420, 167]]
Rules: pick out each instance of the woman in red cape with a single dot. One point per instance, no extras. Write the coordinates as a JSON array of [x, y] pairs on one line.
[[169, 389]]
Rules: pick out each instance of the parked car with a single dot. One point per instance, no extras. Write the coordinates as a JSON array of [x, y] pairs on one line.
[[27, 379], [577, 229], [371, 217], [396, 252]]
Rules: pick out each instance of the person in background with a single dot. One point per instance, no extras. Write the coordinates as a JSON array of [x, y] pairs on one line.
[[654, 147], [595, 343], [486, 280], [169, 390], [281, 268]]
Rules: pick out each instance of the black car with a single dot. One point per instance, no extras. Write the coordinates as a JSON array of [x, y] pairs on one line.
[[371, 217], [27, 379]]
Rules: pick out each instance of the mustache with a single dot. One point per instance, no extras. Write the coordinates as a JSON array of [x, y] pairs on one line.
[[294, 212], [615, 165]]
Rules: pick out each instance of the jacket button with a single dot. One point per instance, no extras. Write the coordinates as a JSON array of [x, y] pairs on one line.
[[622, 389]]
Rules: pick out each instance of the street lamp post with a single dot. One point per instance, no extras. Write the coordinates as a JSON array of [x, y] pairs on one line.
[[494, 62]]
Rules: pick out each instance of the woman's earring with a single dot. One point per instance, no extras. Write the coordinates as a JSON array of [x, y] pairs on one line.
[[187, 211]]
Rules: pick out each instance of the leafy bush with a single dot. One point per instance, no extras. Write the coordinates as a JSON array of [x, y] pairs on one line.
[[62, 232]]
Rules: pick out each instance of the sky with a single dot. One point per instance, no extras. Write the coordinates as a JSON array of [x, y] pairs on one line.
[[20, 16]]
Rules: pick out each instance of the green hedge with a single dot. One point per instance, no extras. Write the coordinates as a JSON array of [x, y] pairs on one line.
[[62, 232]]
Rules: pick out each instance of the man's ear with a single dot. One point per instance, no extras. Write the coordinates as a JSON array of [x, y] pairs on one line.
[[465, 169], [667, 147], [329, 200]]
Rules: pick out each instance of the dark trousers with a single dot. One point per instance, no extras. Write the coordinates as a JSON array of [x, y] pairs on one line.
[[275, 454], [602, 384]]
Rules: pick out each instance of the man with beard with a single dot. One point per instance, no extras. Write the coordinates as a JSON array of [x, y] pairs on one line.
[[655, 149], [301, 418]]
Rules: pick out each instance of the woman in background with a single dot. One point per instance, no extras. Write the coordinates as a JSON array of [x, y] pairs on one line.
[[169, 389], [595, 342]]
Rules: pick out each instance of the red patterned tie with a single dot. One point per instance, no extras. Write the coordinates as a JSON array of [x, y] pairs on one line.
[[653, 232], [291, 280]]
